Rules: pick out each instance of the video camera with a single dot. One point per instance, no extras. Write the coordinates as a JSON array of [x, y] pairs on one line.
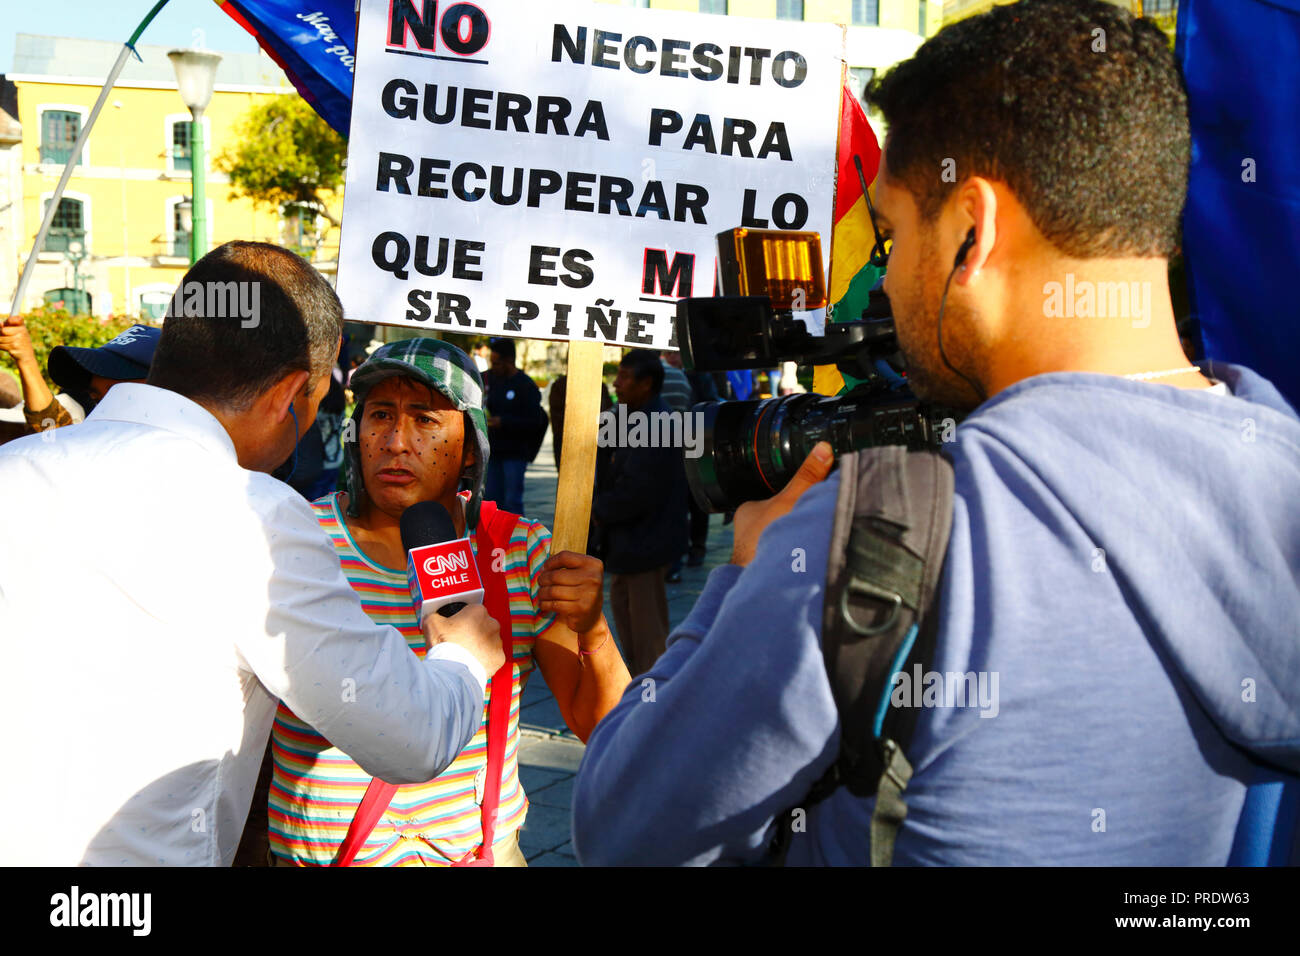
[[753, 448]]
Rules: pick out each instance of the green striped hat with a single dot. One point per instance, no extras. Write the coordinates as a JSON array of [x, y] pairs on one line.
[[445, 369]]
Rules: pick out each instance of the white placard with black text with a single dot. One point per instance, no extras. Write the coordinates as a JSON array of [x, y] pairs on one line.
[[561, 170]]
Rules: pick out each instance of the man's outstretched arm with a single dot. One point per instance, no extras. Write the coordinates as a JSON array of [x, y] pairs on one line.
[[358, 684], [734, 723]]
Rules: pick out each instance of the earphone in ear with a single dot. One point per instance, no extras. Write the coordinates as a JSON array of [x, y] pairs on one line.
[[965, 247], [297, 437]]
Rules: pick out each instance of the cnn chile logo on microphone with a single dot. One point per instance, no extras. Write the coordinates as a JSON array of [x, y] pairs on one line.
[[421, 28], [442, 574]]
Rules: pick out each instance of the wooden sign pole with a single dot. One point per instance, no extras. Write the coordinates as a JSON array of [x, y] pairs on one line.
[[578, 463]]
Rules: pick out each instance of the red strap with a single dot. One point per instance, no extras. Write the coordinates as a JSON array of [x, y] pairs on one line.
[[378, 796], [494, 530]]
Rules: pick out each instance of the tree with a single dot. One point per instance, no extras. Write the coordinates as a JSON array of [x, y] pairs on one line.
[[1168, 23], [286, 156], [51, 325]]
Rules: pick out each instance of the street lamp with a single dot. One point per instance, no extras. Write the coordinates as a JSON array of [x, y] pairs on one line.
[[76, 253], [196, 74]]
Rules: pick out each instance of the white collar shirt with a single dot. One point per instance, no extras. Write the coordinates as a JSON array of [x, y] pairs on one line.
[[155, 600]]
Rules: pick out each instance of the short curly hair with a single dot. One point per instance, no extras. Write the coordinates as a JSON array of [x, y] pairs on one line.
[[1077, 106]]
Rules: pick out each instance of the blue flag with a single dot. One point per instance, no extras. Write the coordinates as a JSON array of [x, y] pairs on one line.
[[313, 42], [1241, 228], [742, 382]]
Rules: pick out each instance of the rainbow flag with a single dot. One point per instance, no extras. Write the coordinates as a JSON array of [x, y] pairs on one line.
[[852, 237]]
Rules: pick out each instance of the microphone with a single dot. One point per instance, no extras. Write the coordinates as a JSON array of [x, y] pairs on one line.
[[440, 566]]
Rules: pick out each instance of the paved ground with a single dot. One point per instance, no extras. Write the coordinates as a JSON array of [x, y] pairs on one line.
[[549, 754]]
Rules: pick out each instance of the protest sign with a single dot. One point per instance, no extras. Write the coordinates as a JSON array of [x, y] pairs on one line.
[[560, 170]]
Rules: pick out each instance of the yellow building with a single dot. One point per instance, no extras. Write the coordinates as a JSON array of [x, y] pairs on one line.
[[923, 17], [120, 230], [881, 32], [954, 10]]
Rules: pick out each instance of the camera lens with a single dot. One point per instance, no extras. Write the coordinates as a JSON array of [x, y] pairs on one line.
[[750, 449]]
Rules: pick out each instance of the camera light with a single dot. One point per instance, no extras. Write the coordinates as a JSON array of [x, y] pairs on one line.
[[785, 266]]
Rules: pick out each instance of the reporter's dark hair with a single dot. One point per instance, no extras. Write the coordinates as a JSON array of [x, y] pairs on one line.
[[503, 347], [225, 359], [1075, 105], [645, 364]]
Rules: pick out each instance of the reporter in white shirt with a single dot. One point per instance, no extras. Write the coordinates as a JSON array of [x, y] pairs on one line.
[[159, 590]]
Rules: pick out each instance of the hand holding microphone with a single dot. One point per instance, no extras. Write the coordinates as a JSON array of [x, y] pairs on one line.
[[444, 577], [474, 629]]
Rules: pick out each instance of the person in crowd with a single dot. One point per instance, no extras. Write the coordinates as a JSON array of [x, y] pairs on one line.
[[13, 413], [84, 374], [418, 431], [13, 424], [639, 497], [676, 394], [555, 398], [354, 360], [11, 392], [88, 373], [703, 388], [209, 591], [790, 384], [329, 422], [514, 415], [1121, 577]]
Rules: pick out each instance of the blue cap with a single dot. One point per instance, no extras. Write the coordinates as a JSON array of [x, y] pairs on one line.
[[125, 358]]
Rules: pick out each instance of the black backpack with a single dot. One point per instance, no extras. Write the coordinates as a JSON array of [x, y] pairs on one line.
[[890, 535]]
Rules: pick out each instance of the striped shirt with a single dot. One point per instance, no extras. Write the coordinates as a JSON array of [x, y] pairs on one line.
[[316, 788], [676, 391]]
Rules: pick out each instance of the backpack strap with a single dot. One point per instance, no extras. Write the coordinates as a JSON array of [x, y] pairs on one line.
[[494, 530], [887, 551], [888, 542]]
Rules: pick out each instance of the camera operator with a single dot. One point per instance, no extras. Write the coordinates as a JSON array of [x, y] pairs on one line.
[[1122, 563]]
